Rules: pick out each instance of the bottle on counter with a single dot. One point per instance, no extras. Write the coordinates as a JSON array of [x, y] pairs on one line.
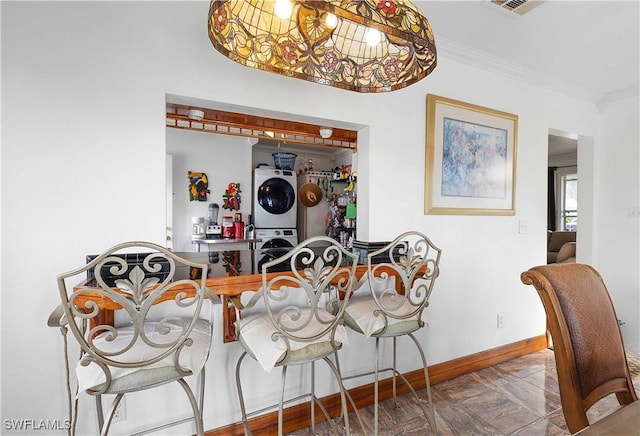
[[238, 228]]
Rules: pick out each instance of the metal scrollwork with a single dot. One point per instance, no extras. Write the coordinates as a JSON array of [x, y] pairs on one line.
[[303, 302], [134, 284], [402, 284]]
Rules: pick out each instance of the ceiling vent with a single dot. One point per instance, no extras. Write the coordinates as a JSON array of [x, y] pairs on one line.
[[518, 7]]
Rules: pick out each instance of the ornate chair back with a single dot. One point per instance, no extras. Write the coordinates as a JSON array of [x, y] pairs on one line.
[[401, 277], [304, 292], [587, 342], [297, 317], [156, 332]]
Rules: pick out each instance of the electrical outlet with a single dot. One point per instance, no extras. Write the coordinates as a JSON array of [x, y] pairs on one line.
[[500, 320], [121, 411]]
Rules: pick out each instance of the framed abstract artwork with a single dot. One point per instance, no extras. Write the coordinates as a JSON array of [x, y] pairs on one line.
[[470, 159]]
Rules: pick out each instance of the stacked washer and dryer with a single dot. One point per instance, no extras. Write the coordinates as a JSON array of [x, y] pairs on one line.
[[275, 209]]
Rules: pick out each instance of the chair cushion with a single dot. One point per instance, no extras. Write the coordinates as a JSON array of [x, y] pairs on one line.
[[359, 314], [192, 358], [558, 239], [567, 253], [255, 334]]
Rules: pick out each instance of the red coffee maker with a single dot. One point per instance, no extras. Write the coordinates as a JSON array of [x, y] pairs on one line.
[[228, 230]]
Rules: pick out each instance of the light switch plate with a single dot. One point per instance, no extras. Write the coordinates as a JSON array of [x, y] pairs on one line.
[[523, 227]]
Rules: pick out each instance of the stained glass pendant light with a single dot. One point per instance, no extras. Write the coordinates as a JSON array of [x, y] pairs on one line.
[[359, 45]]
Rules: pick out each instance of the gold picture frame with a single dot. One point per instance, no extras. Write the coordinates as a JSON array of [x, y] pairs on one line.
[[470, 159]]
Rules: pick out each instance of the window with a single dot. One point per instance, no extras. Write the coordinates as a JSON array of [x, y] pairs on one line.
[[569, 202]]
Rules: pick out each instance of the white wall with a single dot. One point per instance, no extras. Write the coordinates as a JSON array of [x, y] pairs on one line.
[[616, 252], [225, 159], [83, 144]]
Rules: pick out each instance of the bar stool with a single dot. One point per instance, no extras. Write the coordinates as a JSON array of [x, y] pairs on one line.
[[161, 334], [390, 304], [296, 318]]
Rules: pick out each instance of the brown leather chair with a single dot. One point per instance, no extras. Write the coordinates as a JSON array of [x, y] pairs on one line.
[[587, 343]]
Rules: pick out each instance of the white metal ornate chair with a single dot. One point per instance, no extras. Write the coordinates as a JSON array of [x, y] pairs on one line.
[[296, 318], [159, 333], [390, 303]]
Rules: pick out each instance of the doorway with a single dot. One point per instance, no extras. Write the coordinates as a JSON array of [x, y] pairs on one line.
[[562, 204]]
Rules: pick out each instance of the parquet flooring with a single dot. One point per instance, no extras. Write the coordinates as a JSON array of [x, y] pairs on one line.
[[517, 397]]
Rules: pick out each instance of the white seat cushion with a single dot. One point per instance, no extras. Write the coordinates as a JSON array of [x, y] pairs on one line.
[[256, 330], [359, 313], [192, 358]]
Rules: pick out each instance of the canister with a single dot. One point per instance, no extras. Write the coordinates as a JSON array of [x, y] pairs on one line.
[[249, 232], [238, 227]]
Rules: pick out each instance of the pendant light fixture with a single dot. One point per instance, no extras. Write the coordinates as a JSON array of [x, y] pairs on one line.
[[359, 45]]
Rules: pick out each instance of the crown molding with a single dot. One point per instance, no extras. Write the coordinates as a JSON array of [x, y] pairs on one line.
[[619, 95], [452, 50]]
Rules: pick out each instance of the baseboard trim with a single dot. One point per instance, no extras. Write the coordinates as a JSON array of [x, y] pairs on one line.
[[297, 417]]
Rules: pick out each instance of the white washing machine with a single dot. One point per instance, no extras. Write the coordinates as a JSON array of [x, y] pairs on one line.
[[275, 243], [275, 199]]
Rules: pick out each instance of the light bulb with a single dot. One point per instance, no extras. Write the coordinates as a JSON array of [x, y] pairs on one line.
[[330, 20], [283, 9], [373, 36]]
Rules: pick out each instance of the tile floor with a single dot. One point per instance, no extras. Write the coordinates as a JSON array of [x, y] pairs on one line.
[[518, 397]]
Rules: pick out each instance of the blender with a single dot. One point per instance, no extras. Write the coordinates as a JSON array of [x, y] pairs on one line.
[[213, 230]]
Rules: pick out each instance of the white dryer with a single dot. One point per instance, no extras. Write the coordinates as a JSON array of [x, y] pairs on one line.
[[275, 243], [275, 199]]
